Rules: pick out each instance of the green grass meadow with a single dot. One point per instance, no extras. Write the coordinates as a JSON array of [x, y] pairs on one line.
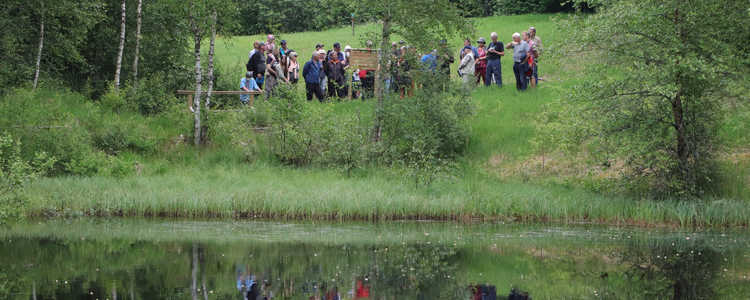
[[215, 182]]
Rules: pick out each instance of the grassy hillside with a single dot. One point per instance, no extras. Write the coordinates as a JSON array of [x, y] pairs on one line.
[[500, 173]]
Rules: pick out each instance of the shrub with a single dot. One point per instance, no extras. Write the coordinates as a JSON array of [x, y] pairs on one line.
[[122, 134], [152, 97], [15, 172], [438, 120]]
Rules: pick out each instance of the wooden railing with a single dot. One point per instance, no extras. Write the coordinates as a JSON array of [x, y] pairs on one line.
[[191, 93]]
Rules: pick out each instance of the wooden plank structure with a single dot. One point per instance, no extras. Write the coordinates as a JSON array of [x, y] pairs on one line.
[[363, 59], [191, 93]]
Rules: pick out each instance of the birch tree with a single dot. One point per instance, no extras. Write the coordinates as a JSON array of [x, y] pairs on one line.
[[197, 31], [122, 46], [41, 45], [137, 43], [204, 16]]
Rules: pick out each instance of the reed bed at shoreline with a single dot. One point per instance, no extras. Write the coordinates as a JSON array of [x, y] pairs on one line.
[[288, 194]]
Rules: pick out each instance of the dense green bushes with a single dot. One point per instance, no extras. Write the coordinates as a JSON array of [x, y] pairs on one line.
[[85, 137]]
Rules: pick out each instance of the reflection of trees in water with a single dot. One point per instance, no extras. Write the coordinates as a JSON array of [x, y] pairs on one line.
[[666, 271]]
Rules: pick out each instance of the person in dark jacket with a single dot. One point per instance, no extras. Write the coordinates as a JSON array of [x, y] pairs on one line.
[[335, 72], [311, 73], [257, 64]]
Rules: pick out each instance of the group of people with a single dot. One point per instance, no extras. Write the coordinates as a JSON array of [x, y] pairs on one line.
[[325, 74], [483, 62]]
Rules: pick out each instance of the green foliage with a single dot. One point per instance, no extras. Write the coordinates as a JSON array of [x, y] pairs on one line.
[[66, 26], [15, 173], [125, 134], [421, 166], [152, 97], [285, 16], [299, 129], [115, 101], [486, 8], [234, 129], [436, 118], [656, 103], [77, 133]]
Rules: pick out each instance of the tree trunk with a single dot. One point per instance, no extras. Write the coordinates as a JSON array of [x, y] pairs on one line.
[[681, 130], [39, 53], [197, 103], [211, 60], [210, 75], [137, 44], [121, 48], [384, 55], [678, 112]]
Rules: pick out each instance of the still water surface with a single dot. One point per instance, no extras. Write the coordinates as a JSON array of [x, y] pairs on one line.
[[156, 259]]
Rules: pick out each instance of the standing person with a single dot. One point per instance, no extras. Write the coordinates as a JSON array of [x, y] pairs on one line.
[[467, 42], [255, 48], [532, 60], [494, 53], [272, 77], [270, 44], [248, 84], [323, 78], [293, 68], [335, 72], [481, 67], [311, 73], [257, 64], [318, 47], [446, 59], [466, 68], [284, 50], [521, 54], [539, 48]]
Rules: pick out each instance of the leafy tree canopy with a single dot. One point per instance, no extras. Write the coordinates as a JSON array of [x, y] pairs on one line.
[[656, 103]]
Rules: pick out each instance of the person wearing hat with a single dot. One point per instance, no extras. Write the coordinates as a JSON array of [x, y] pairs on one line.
[[284, 50], [293, 68], [311, 73], [466, 68], [248, 84], [257, 63], [318, 47], [270, 42], [481, 61], [323, 80]]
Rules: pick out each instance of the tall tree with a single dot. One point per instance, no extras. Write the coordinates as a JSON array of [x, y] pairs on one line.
[[197, 30], [41, 45], [122, 46], [137, 43], [206, 16], [674, 62]]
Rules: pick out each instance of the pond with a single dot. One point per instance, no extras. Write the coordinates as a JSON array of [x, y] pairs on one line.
[[188, 259]]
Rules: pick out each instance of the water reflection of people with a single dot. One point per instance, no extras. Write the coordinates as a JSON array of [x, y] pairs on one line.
[[518, 295], [489, 292], [244, 279]]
